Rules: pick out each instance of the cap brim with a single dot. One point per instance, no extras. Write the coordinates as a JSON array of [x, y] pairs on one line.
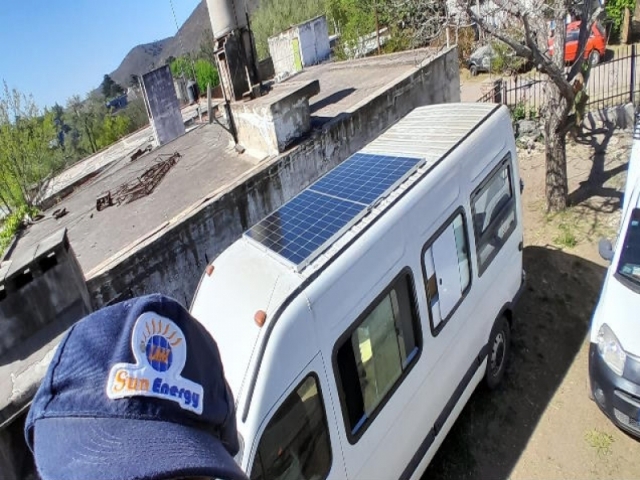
[[127, 449]]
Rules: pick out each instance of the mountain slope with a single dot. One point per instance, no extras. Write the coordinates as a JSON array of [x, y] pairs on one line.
[[146, 57]]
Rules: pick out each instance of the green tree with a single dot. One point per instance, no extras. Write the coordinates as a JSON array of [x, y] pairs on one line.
[[110, 88], [355, 20], [113, 128], [206, 73], [136, 112], [181, 67], [86, 117], [134, 80], [28, 153], [615, 13]]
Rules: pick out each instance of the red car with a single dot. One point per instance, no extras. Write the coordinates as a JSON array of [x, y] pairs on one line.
[[596, 43]]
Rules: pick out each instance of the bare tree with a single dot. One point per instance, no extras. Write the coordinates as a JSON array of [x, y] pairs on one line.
[[425, 19], [537, 21]]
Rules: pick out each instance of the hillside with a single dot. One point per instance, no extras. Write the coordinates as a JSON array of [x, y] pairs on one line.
[[143, 58]]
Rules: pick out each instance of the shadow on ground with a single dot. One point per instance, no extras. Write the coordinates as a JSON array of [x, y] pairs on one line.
[[608, 55], [594, 184], [331, 99], [550, 325]]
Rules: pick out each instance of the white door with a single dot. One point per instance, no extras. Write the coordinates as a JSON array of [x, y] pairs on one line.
[[445, 259]]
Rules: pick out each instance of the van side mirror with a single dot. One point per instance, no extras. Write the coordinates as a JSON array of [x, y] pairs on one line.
[[606, 249]]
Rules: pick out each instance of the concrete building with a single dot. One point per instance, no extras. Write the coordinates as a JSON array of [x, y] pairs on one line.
[[163, 240], [300, 46]]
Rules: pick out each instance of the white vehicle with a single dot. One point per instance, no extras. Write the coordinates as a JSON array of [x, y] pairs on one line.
[[614, 353], [355, 322]]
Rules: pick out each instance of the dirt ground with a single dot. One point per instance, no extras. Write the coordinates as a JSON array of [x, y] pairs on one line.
[[540, 424]]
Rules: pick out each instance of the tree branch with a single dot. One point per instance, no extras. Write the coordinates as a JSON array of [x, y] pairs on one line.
[[521, 50], [585, 28]]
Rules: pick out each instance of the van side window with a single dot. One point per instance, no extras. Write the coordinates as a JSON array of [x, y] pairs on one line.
[[494, 213], [447, 270], [295, 443], [377, 354]]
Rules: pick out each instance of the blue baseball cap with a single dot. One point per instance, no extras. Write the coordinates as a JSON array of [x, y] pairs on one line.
[[135, 391]]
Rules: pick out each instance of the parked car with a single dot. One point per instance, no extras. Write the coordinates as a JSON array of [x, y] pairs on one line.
[[480, 60], [485, 58], [595, 48], [614, 352]]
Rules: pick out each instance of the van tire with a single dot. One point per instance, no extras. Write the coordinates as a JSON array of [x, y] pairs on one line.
[[498, 354], [594, 58]]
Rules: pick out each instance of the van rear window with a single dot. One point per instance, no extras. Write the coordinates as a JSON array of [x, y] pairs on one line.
[[376, 355]]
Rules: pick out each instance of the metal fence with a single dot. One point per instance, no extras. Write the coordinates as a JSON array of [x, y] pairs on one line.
[[613, 82]]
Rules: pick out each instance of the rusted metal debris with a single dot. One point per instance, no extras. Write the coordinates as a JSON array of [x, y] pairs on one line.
[[138, 153], [104, 201], [59, 213], [141, 186]]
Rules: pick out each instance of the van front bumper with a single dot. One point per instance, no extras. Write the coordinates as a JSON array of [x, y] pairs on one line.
[[618, 397]]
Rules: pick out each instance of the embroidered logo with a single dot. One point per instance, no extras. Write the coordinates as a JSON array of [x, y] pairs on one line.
[[160, 350]]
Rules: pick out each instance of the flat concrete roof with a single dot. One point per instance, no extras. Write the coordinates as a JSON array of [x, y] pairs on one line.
[[208, 161], [94, 163], [207, 165], [343, 85]]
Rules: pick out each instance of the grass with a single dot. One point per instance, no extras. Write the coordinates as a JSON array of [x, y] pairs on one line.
[[565, 238], [600, 441]]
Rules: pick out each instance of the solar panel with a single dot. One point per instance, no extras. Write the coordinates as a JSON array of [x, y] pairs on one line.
[[303, 227], [363, 178]]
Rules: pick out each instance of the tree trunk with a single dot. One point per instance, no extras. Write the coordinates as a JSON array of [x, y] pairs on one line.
[[557, 191]]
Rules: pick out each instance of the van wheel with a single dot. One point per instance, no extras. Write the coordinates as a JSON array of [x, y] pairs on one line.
[[594, 58], [499, 347], [473, 69]]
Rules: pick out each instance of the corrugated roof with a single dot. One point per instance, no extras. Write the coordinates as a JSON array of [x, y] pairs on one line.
[[430, 132]]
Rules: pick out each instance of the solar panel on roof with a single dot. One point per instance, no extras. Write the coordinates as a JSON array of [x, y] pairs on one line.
[[304, 224], [363, 178], [303, 227]]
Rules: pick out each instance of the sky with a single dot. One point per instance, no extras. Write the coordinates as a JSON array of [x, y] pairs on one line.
[[55, 49]]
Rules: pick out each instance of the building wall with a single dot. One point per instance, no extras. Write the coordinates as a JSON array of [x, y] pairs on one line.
[[313, 37], [281, 51], [173, 262], [314, 41]]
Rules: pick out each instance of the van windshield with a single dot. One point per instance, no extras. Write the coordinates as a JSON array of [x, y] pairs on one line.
[[629, 265]]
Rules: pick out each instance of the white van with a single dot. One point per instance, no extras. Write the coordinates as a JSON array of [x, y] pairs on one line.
[[355, 321], [614, 353]]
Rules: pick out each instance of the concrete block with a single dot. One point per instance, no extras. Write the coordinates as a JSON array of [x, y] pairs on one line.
[[271, 123], [49, 280]]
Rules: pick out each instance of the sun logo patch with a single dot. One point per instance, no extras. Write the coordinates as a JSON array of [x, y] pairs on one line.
[[160, 350]]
